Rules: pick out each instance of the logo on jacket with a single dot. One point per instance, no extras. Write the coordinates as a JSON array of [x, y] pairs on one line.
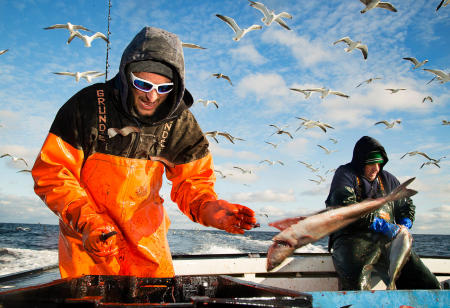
[[165, 134], [101, 114]]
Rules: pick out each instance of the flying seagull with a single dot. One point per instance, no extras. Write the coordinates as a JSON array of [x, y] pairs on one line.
[[214, 134], [88, 75], [272, 144], [443, 3], [327, 151], [270, 16], [388, 124], [208, 102], [272, 162], [415, 62], [220, 75], [68, 26], [395, 90], [427, 98], [14, 158], [221, 173], [3, 51], [310, 123], [242, 169], [239, 33], [325, 91], [442, 76], [190, 45], [280, 131], [309, 166], [88, 39], [306, 93], [432, 162], [370, 4], [352, 45], [445, 122], [367, 81], [416, 153], [333, 140]]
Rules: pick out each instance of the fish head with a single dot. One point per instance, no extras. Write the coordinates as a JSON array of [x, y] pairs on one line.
[[277, 253]]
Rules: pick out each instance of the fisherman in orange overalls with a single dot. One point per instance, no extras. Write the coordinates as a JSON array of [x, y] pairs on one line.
[[101, 166]]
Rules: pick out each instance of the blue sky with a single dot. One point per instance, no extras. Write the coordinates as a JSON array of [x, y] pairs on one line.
[[263, 65]]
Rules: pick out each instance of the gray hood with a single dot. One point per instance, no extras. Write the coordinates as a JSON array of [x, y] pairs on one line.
[[157, 45]]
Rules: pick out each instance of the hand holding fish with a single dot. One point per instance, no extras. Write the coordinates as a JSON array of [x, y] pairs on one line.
[[233, 218], [312, 228]]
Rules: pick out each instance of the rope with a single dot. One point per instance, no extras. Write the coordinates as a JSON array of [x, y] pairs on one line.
[[107, 44]]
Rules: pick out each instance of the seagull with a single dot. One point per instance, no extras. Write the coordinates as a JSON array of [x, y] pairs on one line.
[[433, 162], [367, 81], [326, 150], [306, 93], [272, 144], [214, 134], [389, 125], [445, 122], [88, 75], [272, 162], [88, 39], [220, 75], [428, 98], [310, 123], [326, 91], [333, 140], [14, 158], [309, 166], [270, 16], [370, 4], [68, 26], [321, 179], [281, 131], [443, 3], [221, 173], [416, 153], [395, 90], [352, 45], [239, 33], [190, 45], [3, 51], [415, 62], [207, 102], [440, 75], [242, 169]]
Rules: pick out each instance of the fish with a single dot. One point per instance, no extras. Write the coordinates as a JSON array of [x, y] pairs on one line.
[[399, 252], [300, 231]]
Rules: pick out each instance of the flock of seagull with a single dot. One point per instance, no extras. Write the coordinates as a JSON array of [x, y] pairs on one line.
[[269, 17]]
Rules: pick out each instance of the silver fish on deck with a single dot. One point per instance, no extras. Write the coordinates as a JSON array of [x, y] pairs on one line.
[[399, 252], [297, 232]]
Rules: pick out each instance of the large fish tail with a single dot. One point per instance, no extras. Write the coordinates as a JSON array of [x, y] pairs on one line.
[[402, 191]]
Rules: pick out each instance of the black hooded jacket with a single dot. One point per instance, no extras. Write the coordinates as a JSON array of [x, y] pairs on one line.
[[345, 190]]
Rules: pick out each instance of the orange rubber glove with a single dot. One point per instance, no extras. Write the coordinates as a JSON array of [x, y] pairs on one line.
[[233, 218], [93, 241]]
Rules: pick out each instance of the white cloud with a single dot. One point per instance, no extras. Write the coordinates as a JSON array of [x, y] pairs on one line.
[[267, 195], [248, 53]]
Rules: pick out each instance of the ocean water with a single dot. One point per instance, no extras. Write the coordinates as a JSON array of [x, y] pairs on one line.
[[30, 246]]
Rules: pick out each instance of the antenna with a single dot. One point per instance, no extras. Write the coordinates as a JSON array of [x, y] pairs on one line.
[[107, 43]]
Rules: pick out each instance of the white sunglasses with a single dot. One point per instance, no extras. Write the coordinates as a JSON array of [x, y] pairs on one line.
[[147, 86]]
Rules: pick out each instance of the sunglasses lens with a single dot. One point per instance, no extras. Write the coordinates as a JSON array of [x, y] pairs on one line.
[[166, 88], [142, 85]]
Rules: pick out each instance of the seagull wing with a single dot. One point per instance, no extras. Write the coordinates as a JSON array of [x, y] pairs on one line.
[[440, 4], [339, 94], [227, 78], [100, 35], [345, 39], [383, 122], [226, 135], [280, 162], [438, 73], [387, 6], [230, 21], [260, 7], [287, 133], [57, 26], [282, 23], [364, 50], [315, 90], [64, 73], [324, 148], [424, 155], [412, 59]]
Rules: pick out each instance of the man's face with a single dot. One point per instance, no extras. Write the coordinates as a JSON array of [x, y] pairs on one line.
[[371, 171], [147, 102]]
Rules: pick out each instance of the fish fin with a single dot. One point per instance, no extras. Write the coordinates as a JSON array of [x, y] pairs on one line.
[[286, 223]]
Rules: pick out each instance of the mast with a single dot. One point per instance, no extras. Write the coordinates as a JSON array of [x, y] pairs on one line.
[[107, 43]]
